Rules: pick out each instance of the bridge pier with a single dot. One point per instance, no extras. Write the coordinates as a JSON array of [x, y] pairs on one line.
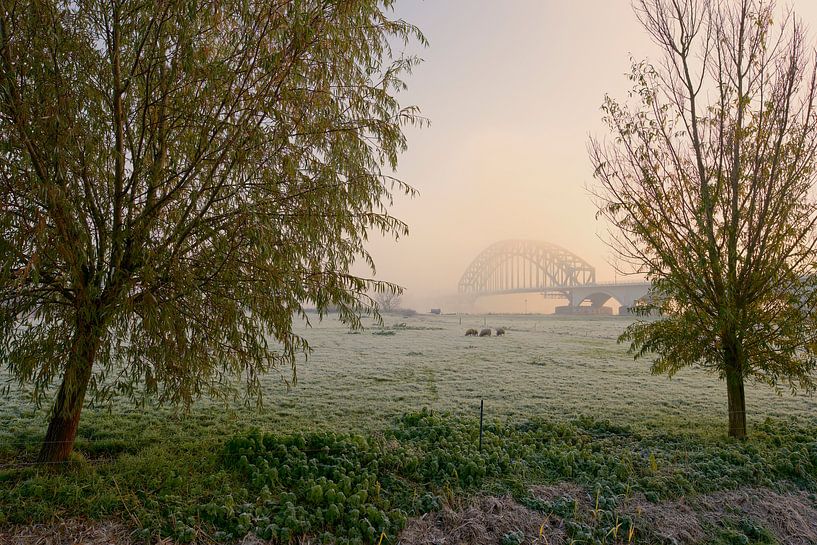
[[626, 295], [570, 310]]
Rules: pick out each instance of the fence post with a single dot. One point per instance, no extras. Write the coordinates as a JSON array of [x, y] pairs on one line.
[[481, 405]]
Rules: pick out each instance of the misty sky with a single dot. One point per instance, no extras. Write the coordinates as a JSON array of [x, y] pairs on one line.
[[513, 91]]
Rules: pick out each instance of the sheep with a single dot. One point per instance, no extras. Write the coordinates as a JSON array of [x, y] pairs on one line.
[[471, 332], [485, 332], [500, 331]]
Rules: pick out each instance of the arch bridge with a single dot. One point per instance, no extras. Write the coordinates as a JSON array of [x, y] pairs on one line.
[[518, 266], [532, 266]]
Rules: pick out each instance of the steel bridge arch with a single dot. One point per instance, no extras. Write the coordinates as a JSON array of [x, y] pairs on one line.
[[513, 266]]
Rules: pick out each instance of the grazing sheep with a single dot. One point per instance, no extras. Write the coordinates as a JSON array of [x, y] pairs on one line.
[[471, 333], [485, 332], [500, 331]]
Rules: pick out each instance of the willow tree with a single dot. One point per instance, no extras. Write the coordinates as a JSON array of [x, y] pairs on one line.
[[707, 184], [177, 178]]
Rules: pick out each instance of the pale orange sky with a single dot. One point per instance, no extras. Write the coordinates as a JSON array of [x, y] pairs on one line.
[[513, 91]]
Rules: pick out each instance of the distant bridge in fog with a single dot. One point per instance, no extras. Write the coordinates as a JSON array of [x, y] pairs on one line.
[[533, 266]]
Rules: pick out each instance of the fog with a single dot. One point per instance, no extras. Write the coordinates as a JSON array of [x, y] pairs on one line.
[[512, 90]]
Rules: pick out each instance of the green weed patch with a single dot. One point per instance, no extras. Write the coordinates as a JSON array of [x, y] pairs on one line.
[[353, 489]]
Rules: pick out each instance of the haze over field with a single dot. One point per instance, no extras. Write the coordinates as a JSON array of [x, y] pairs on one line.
[[512, 91], [190, 347]]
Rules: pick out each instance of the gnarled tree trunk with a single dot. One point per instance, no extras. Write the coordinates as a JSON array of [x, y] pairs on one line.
[[734, 363], [62, 429], [736, 403]]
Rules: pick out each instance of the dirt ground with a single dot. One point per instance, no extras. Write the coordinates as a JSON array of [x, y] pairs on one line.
[[790, 517], [68, 532]]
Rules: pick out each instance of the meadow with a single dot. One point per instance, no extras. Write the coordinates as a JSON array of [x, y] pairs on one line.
[[390, 415]]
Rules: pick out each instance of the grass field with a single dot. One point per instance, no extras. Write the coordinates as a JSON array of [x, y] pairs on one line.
[[158, 470], [544, 366]]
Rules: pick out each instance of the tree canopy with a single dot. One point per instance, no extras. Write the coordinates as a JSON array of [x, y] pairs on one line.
[[707, 182], [177, 179]]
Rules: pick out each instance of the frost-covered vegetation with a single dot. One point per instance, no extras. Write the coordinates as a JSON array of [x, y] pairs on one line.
[[382, 428]]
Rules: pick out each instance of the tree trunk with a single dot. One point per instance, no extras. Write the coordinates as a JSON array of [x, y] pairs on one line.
[[737, 403], [62, 429]]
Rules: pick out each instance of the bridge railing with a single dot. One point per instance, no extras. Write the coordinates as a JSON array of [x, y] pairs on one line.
[[601, 285]]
